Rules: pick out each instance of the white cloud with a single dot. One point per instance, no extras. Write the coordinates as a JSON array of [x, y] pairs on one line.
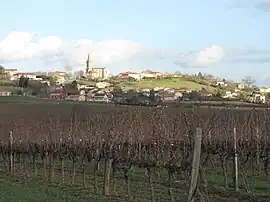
[[201, 58], [24, 46], [19, 46]]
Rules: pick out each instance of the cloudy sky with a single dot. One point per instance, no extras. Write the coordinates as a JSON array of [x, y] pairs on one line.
[[227, 38]]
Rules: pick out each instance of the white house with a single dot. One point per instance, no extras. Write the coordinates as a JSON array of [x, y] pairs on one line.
[[31, 76], [126, 75], [150, 74], [229, 94], [11, 72], [102, 84], [265, 90], [241, 86], [221, 83], [258, 98], [99, 98]]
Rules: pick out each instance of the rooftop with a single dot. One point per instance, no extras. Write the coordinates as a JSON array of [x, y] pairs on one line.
[[24, 73], [11, 70], [129, 73]]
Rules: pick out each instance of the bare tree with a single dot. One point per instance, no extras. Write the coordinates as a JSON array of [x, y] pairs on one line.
[[78, 74], [2, 69], [68, 68], [248, 80]]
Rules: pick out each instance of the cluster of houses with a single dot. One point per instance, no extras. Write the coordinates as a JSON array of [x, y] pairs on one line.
[[59, 76], [105, 92], [102, 91], [255, 97], [82, 92]]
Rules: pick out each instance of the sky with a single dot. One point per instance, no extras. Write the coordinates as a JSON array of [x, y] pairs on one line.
[[226, 38]]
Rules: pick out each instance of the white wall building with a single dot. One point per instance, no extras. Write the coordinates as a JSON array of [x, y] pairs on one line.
[[221, 83], [31, 76], [150, 74], [126, 75], [265, 90]]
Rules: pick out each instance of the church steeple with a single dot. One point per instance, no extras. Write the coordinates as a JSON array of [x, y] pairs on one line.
[[88, 63]]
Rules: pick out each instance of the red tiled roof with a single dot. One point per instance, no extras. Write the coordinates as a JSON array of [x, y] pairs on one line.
[[24, 73], [123, 77], [129, 73], [150, 72]]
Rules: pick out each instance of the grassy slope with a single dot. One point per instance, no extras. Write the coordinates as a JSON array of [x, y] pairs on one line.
[[176, 83], [13, 190], [38, 189]]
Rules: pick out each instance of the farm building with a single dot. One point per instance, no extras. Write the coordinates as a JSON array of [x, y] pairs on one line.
[[100, 97]]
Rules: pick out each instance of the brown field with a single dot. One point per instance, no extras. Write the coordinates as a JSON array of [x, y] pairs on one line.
[[143, 150]]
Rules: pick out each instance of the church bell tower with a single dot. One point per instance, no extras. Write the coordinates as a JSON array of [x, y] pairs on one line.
[[88, 64]]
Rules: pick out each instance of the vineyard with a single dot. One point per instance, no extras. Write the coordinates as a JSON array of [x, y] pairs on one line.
[[111, 153]]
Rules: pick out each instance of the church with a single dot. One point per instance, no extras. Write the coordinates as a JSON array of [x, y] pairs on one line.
[[95, 73]]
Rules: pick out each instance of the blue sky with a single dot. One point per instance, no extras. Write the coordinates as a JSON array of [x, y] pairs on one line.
[[228, 38]]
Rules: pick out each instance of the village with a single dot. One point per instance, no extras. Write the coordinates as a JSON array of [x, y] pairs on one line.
[[98, 85]]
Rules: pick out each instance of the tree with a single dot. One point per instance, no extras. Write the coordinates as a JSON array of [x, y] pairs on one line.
[[74, 84], [2, 69], [152, 95], [248, 80], [39, 89], [208, 76], [23, 82], [68, 68], [267, 95], [26, 84], [243, 97], [52, 80], [131, 79], [200, 75], [78, 74]]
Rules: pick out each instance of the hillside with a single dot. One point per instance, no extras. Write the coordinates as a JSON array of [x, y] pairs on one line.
[[183, 83], [175, 83]]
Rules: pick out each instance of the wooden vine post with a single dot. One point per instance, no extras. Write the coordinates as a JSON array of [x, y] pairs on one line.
[[258, 148], [195, 165], [11, 152], [235, 161], [107, 171]]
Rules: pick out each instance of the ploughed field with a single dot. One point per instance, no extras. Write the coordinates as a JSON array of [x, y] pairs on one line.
[[109, 153]]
